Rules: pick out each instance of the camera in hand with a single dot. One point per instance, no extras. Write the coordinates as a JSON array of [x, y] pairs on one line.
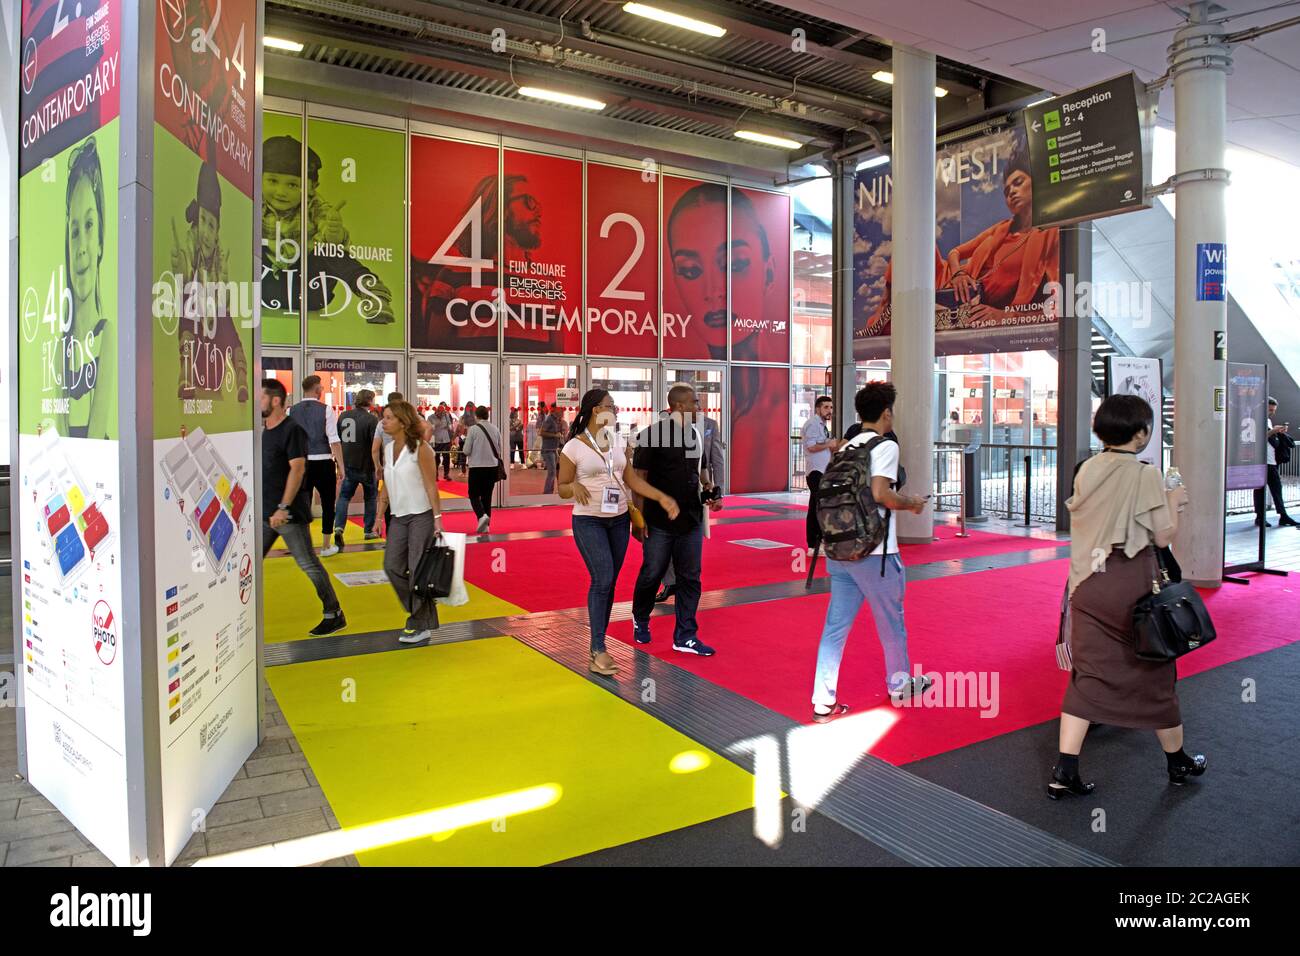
[[713, 494]]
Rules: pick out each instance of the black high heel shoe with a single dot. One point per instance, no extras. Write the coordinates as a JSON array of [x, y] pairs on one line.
[[1072, 786], [1178, 775]]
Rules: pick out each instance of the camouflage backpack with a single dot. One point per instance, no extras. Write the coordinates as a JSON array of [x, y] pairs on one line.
[[847, 512]]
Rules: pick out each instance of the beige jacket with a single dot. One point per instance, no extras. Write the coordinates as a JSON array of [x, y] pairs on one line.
[[1118, 502]]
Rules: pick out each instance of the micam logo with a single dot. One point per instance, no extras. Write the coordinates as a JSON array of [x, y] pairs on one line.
[[1113, 301], [77, 909]]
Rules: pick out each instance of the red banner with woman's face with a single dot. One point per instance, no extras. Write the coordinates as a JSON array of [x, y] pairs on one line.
[[541, 200], [760, 276], [453, 245], [759, 454], [622, 262], [695, 269]]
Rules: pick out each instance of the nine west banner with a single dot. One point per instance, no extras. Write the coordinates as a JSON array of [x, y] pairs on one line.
[[67, 415], [203, 401], [992, 267]]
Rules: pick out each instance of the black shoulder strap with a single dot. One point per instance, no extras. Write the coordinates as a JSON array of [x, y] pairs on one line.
[[491, 444]]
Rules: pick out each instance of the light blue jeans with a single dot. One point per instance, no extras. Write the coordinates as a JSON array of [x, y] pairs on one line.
[[852, 583]]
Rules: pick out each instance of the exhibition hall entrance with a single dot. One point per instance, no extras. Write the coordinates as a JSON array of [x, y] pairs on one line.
[[453, 388], [282, 365], [528, 387]]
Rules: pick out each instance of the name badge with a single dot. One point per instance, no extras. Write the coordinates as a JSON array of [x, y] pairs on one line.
[[609, 504]]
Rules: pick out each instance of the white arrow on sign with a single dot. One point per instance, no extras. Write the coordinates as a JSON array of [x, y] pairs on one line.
[[1034, 126]]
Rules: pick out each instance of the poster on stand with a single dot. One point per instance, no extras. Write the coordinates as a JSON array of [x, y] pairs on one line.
[[695, 269], [204, 404], [281, 254], [454, 188], [758, 455], [542, 254], [72, 626], [1247, 426], [993, 270], [356, 230], [1131, 375], [622, 261], [760, 276]]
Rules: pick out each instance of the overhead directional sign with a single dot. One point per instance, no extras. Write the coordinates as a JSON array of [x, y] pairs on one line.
[[1090, 152]]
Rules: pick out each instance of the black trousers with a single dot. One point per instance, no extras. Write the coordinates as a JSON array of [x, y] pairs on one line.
[[813, 530], [1275, 489], [321, 478], [481, 483]]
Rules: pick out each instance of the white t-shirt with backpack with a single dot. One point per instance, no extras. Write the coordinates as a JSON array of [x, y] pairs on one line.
[[884, 464]]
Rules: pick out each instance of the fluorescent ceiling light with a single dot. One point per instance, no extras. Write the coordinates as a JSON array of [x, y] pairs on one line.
[[884, 76], [276, 43], [566, 99], [673, 19], [767, 140], [873, 161], [1045, 99]]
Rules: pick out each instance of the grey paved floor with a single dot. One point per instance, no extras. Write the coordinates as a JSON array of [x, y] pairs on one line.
[[276, 797]]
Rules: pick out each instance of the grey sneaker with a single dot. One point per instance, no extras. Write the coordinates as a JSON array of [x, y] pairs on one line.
[[409, 636]]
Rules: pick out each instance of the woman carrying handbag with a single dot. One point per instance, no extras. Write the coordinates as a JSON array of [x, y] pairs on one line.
[[1120, 513], [411, 480], [482, 444], [592, 471]]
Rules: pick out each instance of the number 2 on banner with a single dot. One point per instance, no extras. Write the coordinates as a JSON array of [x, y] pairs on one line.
[[203, 39], [612, 290], [473, 219]]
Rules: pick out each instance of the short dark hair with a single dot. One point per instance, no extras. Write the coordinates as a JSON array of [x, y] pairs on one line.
[[678, 393], [1272, 400], [821, 399], [275, 388], [1120, 417], [364, 398], [481, 411], [310, 382], [394, 397], [873, 399]]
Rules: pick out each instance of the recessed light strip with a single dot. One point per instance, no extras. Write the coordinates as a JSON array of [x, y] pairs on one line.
[[564, 99], [767, 139], [884, 76], [673, 19]]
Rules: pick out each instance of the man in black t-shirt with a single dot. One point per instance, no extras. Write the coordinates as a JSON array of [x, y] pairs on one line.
[[668, 457], [357, 434], [286, 503]]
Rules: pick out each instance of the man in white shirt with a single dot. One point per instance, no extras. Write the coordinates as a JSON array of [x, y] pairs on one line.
[[1274, 476], [324, 454], [818, 446], [878, 579]]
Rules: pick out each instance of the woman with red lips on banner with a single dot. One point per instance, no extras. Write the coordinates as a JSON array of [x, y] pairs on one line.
[[1004, 269], [759, 318]]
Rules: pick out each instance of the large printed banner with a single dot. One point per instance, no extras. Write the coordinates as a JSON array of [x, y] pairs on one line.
[[758, 457], [760, 276], [204, 404], [1133, 375], [542, 258], [281, 255], [356, 220], [695, 269], [622, 262], [1247, 426], [69, 508], [992, 267], [453, 245]]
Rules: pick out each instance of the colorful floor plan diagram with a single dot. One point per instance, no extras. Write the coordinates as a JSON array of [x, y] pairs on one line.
[[207, 492]]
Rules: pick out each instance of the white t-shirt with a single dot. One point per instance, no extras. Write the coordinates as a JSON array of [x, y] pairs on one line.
[[404, 481], [596, 472], [884, 463], [1272, 455]]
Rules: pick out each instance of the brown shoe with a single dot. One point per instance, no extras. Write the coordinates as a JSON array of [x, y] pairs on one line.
[[603, 664]]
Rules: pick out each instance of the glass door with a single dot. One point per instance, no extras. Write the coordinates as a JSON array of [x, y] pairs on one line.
[[710, 390], [342, 376], [446, 391], [283, 367], [634, 390], [546, 399]]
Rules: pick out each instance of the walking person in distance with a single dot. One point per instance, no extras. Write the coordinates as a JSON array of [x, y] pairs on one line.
[[483, 454]]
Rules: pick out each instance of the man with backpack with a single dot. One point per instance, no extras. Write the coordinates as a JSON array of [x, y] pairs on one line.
[[858, 492]]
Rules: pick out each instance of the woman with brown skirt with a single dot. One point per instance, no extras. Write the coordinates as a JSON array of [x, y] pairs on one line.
[[1119, 514]]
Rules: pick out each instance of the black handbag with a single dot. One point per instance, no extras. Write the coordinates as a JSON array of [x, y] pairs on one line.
[[1170, 621], [501, 466], [433, 574]]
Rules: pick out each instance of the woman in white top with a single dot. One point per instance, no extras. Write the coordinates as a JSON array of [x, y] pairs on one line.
[[411, 483], [592, 471]]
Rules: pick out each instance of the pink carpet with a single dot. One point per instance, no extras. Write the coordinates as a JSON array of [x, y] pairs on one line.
[[998, 622]]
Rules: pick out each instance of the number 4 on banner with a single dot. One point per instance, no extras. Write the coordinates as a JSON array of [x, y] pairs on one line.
[[473, 218]]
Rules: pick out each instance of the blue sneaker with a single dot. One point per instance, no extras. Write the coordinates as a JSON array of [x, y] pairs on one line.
[[641, 632], [692, 646]]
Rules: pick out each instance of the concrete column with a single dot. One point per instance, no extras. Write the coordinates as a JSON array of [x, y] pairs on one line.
[[1199, 63], [1074, 368], [912, 293], [843, 366]]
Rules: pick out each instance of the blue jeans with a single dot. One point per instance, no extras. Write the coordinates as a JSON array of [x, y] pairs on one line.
[[352, 477], [684, 551], [602, 542], [852, 583]]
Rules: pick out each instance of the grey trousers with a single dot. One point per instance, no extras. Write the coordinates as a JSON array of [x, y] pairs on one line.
[[408, 536]]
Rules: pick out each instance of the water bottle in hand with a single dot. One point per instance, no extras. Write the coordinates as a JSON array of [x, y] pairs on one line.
[[1173, 479]]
